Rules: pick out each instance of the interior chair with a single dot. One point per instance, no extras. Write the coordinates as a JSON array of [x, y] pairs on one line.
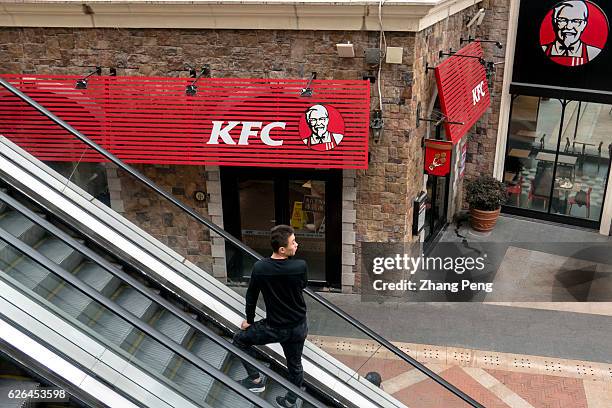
[[516, 189], [575, 200], [539, 192]]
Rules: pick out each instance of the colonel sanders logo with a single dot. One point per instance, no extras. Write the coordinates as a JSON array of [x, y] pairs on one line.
[[574, 32], [321, 128]]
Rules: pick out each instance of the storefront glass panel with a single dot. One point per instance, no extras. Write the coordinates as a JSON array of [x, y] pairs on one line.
[[532, 144], [558, 156], [581, 190], [307, 206], [257, 200]]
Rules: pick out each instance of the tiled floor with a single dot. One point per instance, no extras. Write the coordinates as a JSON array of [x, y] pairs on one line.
[[493, 388]]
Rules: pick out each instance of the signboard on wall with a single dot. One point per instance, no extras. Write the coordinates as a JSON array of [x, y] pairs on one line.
[[463, 90], [228, 121], [438, 157], [564, 44]]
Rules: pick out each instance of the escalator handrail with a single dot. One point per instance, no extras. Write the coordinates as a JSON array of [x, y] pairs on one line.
[[145, 291], [227, 236], [132, 320]]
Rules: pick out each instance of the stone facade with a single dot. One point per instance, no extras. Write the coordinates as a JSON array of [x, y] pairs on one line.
[[377, 202], [483, 140], [157, 216]]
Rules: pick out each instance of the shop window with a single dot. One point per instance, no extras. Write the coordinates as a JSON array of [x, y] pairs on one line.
[[581, 187], [558, 156], [532, 144]]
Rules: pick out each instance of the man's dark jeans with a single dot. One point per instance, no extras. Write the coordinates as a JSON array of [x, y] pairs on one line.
[[291, 340]]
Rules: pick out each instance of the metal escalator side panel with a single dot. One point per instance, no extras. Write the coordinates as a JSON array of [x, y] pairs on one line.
[[96, 389], [125, 307], [109, 365]]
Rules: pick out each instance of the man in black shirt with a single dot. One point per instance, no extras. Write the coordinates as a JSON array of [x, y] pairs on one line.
[[281, 280]]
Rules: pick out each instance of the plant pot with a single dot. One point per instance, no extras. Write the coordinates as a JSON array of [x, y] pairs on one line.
[[483, 221]]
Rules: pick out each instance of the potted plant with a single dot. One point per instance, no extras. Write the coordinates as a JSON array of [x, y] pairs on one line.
[[485, 195]]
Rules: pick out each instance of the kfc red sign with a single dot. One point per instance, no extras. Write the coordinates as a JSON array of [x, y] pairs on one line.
[[463, 90], [438, 157], [574, 32], [228, 121]]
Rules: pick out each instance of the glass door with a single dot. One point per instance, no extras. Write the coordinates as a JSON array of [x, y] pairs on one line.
[[307, 207], [436, 205], [255, 200]]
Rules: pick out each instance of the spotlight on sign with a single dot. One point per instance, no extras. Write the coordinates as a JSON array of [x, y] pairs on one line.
[[82, 83]]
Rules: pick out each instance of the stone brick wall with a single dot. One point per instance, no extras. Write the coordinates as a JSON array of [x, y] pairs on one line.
[[483, 140], [445, 35], [158, 217]]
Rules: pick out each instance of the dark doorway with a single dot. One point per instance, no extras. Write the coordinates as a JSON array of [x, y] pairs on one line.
[[254, 200], [437, 191], [436, 206]]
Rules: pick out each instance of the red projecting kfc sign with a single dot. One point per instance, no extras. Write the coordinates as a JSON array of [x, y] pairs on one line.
[[232, 122], [438, 157], [463, 90]]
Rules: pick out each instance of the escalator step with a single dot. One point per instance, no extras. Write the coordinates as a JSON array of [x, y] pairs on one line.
[[193, 380], [20, 227], [116, 329], [76, 303], [46, 283], [98, 278], [33, 276], [274, 389], [153, 353], [73, 302], [174, 328], [136, 303], [60, 253], [226, 399]]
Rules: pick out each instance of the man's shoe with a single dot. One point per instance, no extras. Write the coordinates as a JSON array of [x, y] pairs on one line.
[[254, 386], [283, 403]]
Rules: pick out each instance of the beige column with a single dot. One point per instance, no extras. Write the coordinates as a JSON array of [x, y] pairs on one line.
[[606, 215], [506, 98]]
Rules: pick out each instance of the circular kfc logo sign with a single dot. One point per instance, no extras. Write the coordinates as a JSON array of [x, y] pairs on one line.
[[574, 32], [321, 127]]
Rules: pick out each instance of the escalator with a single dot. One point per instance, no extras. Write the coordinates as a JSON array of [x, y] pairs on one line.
[[49, 263], [149, 326]]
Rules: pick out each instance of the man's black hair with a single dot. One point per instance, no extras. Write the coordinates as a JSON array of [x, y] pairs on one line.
[[279, 236]]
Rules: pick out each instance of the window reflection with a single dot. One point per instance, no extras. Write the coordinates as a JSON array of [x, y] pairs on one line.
[[558, 156]]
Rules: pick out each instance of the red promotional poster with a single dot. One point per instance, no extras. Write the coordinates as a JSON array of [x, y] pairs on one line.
[[438, 157], [573, 33], [463, 90], [221, 121]]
